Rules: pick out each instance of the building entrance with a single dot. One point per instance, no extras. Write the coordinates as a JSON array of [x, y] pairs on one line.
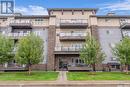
[[63, 65]]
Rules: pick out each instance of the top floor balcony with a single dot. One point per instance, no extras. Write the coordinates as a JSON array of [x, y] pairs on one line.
[[125, 23], [20, 23], [80, 23]]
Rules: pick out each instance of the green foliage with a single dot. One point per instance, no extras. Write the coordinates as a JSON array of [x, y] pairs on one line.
[[91, 52], [30, 50], [122, 51], [6, 49]]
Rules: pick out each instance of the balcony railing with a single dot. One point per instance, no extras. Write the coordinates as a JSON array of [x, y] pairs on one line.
[[125, 23], [73, 36], [17, 35], [18, 22], [68, 48], [73, 22]]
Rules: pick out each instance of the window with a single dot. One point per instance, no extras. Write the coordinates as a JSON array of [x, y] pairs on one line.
[[72, 60], [108, 32], [107, 20], [79, 61], [4, 20], [39, 19], [72, 12], [117, 66], [113, 66], [62, 12], [83, 12]]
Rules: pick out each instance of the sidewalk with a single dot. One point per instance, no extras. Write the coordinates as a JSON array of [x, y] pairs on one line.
[[62, 77]]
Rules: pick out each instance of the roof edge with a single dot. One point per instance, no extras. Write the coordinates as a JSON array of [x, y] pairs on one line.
[[68, 9]]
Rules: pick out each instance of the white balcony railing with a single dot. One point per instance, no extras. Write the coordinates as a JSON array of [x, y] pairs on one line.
[[73, 34], [27, 22], [68, 48], [17, 35], [73, 21], [18, 21], [124, 21]]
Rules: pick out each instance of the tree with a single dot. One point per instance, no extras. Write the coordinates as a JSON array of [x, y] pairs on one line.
[[6, 49], [29, 51], [122, 52], [91, 52]]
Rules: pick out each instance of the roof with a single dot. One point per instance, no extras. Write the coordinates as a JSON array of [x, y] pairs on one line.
[[76, 9], [111, 16], [25, 16], [32, 16]]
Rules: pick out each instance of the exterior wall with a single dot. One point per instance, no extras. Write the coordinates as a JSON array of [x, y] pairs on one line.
[[109, 22], [39, 67], [51, 46], [38, 27], [108, 37], [43, 33], [38, 21], [67, 59]]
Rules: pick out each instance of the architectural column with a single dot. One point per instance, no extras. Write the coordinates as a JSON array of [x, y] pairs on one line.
[[51, 47], [94, 32]]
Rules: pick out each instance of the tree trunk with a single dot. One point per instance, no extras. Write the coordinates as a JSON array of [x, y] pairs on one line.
[[29, 69], [126, 67], [94, 68]]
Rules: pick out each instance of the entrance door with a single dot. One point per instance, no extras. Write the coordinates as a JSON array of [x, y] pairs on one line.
[[63, 65]]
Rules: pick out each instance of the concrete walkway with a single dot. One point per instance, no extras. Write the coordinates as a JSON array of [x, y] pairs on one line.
[[62, 77]]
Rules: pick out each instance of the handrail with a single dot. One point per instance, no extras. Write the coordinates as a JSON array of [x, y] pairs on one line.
[[68, 48], [74, 21], [124, 21], [73, 34]]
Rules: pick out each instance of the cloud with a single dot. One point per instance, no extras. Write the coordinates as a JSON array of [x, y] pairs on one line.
[[120, 5], [31, 10]]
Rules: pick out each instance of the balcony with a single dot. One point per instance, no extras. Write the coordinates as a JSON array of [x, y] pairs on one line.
[[72, 36], [17, 35], [67, 50], [79, 68], [73, 23], [125, 23], [20, 23]]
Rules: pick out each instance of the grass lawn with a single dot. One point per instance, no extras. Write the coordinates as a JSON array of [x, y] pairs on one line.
[[23, 76], [81, 76]]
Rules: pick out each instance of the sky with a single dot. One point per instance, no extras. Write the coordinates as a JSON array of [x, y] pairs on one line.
[[39, 7]]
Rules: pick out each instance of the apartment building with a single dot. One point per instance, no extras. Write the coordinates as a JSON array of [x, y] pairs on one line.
[[17, 26], [64, 30]]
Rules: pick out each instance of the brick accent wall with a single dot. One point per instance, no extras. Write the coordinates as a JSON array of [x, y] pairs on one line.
[[39, 67], [94, 32], [51, 47]]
